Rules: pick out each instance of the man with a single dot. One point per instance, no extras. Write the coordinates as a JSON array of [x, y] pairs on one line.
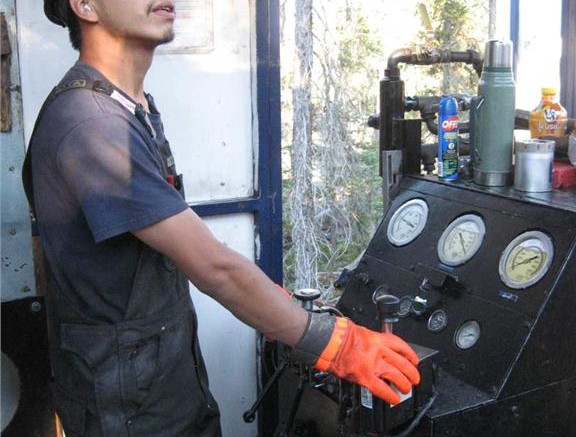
[[117, 232]]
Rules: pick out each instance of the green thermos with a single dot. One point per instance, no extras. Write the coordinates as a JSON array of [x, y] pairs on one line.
[[492, 114]]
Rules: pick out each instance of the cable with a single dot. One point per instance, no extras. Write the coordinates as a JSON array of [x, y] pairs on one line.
[[424, 409], [330, 310], [418, 417]]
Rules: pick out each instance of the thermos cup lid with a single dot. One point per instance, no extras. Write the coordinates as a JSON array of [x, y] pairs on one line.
[[498, 53], [535, 146]]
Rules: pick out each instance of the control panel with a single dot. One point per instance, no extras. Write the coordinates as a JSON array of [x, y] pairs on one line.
[[483, 277]]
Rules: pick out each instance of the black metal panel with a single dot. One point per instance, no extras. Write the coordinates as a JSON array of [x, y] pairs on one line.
[[524, 353], [24, 341], [391, 106], [412, 139], [505, 218], [546, 412], [519, 378], [549, 356], [485, 365]]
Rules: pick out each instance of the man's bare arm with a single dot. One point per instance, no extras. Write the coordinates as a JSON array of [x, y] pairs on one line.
[[227, 276]]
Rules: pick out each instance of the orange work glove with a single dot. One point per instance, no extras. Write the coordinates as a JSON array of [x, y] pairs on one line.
[[368, 358]]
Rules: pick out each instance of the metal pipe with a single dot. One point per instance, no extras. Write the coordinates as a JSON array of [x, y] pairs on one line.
[[429, 56]]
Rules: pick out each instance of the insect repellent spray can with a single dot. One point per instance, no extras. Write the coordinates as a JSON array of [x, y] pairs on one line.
[[448, 138]]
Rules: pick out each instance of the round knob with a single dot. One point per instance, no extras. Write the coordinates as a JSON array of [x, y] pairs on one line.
[[306, 297], [248, 417], [388, 305], [363, 278], [307, 294]]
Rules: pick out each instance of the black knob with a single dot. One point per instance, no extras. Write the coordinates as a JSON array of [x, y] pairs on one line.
[[363, 278], [388, 307], [249, 417]]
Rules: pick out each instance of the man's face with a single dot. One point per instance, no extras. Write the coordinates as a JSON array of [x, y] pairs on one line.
[[149, 22]]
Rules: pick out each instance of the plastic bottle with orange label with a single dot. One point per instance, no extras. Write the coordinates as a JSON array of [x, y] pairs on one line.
[[548, 119]]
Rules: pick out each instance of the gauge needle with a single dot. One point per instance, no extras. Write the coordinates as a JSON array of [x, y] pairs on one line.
[[462, 241], [412, 225], [527, 260]]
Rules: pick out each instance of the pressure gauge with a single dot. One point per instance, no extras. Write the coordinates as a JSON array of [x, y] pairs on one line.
[[461, 239], [405, 305], [467, 334], [437, 321], [526, 259], [407, 222]]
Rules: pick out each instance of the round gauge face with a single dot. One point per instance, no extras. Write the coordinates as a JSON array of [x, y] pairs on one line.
[[405, 305], [526, 259], [407, 222], [467, 335], [461, 239], [437, 321]]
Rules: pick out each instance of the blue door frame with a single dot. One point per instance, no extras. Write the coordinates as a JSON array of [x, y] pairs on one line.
[[266, 204]]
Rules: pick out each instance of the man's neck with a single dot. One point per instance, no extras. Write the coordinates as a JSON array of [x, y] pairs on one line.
[[124, 67]]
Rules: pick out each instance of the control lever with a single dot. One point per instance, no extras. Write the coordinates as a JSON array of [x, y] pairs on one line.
[[305, 298], [388, 307], [250, 415]]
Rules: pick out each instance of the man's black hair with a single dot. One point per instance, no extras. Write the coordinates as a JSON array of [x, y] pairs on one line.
[[60, 12]]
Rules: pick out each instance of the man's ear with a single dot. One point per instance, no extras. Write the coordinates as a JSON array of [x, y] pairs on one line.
[[84, 9]]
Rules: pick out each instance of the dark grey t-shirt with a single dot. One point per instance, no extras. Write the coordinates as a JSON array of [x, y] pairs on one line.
[[97, 177]]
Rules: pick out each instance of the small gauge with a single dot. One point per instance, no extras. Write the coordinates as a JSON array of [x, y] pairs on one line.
[[405, 305], [467, 334], [407, 222], [526, 259], [461, 239], [437, 321]]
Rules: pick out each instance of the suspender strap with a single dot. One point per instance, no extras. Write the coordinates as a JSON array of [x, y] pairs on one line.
[[94, 85]]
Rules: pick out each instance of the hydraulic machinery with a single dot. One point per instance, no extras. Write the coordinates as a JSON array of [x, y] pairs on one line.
[[479, 279]]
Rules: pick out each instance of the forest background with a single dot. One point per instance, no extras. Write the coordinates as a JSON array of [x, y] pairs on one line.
[[333, 55]]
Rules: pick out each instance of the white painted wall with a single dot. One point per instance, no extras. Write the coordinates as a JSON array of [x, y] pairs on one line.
[[206, 99]]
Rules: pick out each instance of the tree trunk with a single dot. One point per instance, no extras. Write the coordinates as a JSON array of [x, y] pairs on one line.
[[302, 196], [447, 69]]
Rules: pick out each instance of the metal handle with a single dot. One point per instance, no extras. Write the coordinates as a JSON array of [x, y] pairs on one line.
[[388, 308]]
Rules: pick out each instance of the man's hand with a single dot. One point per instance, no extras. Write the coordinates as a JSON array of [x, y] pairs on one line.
[[371, 359]]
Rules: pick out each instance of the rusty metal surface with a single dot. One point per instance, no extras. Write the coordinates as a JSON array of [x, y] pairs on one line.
[[5, 83]]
